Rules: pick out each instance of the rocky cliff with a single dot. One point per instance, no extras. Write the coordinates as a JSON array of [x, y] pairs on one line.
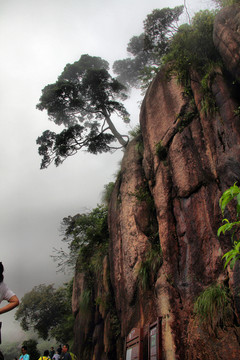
[[165, 202]]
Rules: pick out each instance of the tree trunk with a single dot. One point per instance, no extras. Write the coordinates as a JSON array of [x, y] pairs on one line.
[[117, 135]]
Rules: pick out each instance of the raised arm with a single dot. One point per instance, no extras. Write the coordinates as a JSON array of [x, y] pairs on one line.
[[12, 303]]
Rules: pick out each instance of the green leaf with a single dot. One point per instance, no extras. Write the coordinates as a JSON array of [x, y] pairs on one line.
[[233, 255], [228, 196], [228, 258], [227, 227], [237, 245]]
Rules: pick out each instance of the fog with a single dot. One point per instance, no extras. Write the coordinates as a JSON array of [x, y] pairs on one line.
[[37, 39]]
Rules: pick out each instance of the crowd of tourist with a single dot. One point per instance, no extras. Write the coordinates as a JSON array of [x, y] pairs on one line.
[[62, 353]]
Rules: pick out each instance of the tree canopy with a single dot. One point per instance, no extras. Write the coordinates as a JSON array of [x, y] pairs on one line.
[[83, 99], [192, 50], [86, 236], [48, 312], [147, 49]]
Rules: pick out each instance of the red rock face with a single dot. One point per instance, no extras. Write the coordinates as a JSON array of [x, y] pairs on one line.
[[199, 163], [183, 170], [129, 218], [226, 38]]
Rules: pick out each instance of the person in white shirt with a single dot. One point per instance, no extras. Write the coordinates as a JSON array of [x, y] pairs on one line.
[[9, 296], [6, 294], [56, 356]]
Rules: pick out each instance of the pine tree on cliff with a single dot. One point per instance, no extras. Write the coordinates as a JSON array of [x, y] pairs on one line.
[[83, 100], [147, 50]]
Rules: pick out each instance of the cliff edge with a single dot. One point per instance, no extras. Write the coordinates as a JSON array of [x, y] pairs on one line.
[[164, 215]]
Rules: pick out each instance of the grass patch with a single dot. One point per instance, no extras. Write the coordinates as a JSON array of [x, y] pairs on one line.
[[212, 308], [149, 267], [85, 302]]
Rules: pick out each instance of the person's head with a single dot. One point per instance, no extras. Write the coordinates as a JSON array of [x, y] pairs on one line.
[[24, 349], [46, 353], [65, 348], [1, 272]]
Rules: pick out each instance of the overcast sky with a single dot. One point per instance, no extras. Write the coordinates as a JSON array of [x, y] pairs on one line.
[[37, 39]]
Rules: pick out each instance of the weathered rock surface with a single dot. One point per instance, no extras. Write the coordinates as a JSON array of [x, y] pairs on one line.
[[182, 172], [129, 220], [201, 162], [226, 37]]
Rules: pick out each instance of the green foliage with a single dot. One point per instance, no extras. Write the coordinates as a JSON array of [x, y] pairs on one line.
[[187, 118], [192, 49], [161, 151], [106, 301], [148, 268], [192, 46], [65, 329], [147, 74], [142, 193], [136, 132], [208, 104], [148, 48], [85, 235], [82, 100], [227, 227], [46, 311], [115, 324], [129, 70], [233, 255], [159, 26], [140, 146], [237, 111], [107, 192], [212, 307], [231, 194], [96, 261], [32, 349], [85, 303]]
